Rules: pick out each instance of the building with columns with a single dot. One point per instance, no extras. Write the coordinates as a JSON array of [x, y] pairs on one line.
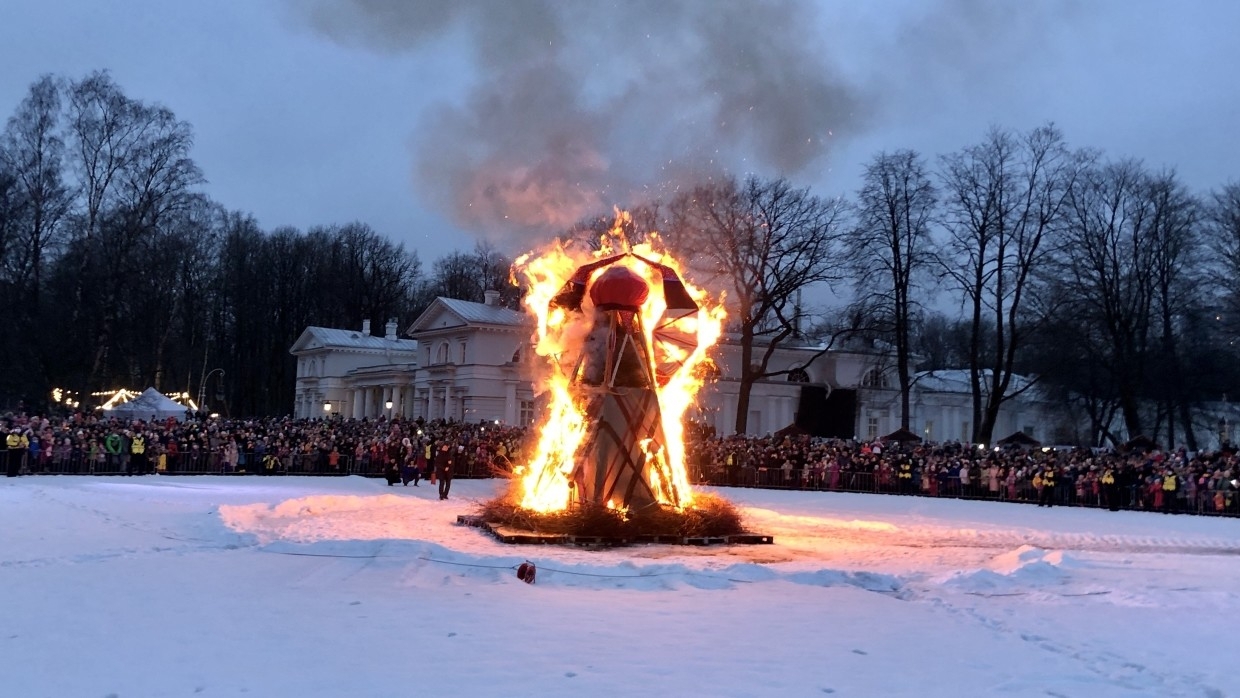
[[353, 373], [461, 361], [473, 362]]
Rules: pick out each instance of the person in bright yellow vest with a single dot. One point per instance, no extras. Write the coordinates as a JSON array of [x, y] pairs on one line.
[[1169, 485], [1110, 489], [905, 477], [137, 453], [16, 444], [1047, 497]]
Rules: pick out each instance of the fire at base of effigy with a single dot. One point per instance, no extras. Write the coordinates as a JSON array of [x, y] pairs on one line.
[[624, 341]]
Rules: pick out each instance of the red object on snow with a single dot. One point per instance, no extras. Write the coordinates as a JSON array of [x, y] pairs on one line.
[[619, 288], [526, 572]]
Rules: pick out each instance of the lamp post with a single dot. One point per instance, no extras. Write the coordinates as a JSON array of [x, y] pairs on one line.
[[202, 387]]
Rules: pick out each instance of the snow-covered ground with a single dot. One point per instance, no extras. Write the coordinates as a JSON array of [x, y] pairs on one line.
[[164, 586]]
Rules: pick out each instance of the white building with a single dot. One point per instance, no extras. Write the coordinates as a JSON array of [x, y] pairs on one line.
[[941, 408], [352, 373], [465, 361], [473, 362]]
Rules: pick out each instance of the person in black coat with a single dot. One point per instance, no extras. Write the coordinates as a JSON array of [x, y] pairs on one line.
[[445, 458], [391, 471], [409, 471]]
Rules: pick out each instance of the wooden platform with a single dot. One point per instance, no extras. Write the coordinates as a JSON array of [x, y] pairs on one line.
[[514, 536]]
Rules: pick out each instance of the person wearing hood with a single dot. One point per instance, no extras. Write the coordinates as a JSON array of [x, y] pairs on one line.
[[409, 469]]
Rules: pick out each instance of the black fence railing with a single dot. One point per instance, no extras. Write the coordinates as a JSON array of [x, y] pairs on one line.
[[1135, 496], [248, 463]]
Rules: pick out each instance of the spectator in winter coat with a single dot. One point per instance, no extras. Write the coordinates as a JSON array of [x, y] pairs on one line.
[[1046, 497], [445, 458], [411, 471], [112, 444]]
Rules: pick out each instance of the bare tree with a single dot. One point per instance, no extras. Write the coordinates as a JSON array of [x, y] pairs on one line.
[[1106, 268], [101, 134], [33, 154], [1176, 265], [889, 249], [1224, 242], [941, 342], [764, 241], [495, 273], [1005, 198]]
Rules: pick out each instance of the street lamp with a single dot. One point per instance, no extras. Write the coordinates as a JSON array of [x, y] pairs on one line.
[[327, 406], [388, 404], [202, 387]]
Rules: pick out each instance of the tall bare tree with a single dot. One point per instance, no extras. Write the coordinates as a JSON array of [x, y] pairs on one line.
[[1106, 272], [1224, 242], [889, 249], [101, 132], [1178, 281], [763, 241], [33, 154], [495, 272], [1004, 200]]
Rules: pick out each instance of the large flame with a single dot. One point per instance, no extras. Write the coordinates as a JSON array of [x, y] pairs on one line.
[[559, 337]]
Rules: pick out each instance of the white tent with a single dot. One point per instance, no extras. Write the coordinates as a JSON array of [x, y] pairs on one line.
[[151, 405]]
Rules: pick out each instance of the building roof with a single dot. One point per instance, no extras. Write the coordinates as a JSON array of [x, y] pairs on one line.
[[957, 381], [444, 313], [484, 314], [325, 337]]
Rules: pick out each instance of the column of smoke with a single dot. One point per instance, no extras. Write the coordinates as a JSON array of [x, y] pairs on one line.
[[574, 107]]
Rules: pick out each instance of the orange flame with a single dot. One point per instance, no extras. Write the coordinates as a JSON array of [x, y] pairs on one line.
[[559, 337]]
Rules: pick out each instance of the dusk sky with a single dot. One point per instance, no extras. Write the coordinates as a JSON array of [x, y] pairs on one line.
[[437, 122]]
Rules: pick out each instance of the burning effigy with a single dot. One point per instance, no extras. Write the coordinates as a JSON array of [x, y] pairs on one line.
[[624, 338], [624, 341]]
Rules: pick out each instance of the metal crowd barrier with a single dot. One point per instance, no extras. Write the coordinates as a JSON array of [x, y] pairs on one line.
[[1130, 497], [213, 463]]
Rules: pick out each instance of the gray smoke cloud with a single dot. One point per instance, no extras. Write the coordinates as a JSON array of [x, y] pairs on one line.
[[574, 107]]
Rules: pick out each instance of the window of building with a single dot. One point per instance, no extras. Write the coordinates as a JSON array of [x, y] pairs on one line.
[[441, 355], [929, 430], [875, 378], [527, 413], [798, 375], [1029, 431], [871, 428], [966, 434], [516, 356], [461, 358]]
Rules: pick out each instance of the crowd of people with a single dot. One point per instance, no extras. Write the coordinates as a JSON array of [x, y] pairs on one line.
[[406, 452], [403, 451], [1176, 481]]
